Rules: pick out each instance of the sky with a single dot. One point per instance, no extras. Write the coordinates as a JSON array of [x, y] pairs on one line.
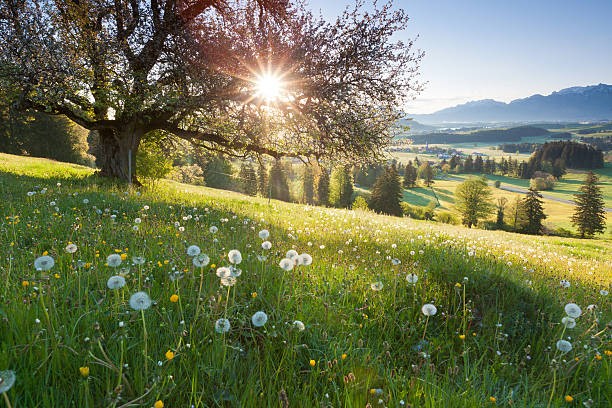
[[500, 49]]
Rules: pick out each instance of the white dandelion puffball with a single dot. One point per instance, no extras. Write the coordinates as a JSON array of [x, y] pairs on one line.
[[591, 307], [213, 229], [395, 261], [193, 250], [137, 220], [200, 260], [377, 286], [235, 272], [259, 319], [234, 256], [429, 310], [138, 260], [115, 282], [266, 245], [565, 283], [140, 301], [222, 326], [113, 260], [286, 264], [264, 234], [603, 292], [573, 310], [412, 278], [292, 254], [568, 322], [564, 346], [299, 325], [306, 259], [7, 379], [224, 272], [44, 263], [70, 248], [229, 281]]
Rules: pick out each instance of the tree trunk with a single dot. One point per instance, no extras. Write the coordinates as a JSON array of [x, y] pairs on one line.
[[118, 152]]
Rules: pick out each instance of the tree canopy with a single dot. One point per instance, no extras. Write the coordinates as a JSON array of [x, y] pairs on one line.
[[190, 68], [472, 199]]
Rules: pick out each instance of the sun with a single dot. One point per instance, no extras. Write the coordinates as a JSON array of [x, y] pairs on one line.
[[268, 87]]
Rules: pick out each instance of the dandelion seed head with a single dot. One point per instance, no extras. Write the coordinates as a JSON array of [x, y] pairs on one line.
[[222, 326], [429, 310], [113, 260], [266, 245], [115, 282], [234, 256], [564, 346], [7, 380], [44, 263], [286, 264], [264, 234], [259, 319], [200, 260], [140, 301], [573, 310], [193, 250]]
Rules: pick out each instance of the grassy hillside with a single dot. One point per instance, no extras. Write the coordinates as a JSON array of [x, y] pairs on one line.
[[362, 336]]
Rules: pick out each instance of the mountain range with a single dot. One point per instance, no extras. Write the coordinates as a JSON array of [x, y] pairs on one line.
[[580, 103]]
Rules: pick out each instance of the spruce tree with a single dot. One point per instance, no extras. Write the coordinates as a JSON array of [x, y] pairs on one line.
[[387, 193], [323, 188], [501, 205], [590, 214], [534, 212], [308, 185], [279, 188], [410, 176], [248, 179]]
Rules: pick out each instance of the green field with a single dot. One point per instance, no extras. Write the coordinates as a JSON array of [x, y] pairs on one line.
[[73, 339]]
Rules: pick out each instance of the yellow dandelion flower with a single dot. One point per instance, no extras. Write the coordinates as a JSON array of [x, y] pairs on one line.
[[158, 404], [597, 357], [213, 266], [166, 262], [118, 251], [462, 336], [493, 400], [569, 399], [123, 257], [25, 283], [608, 353], [84, 371], [169, 355], [56, 275], [312, 363], [254, 295], [174, 298], [343, 356], [45, 253], [457, 285]]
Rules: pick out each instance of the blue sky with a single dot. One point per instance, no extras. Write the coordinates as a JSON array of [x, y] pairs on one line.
[[503, 50]]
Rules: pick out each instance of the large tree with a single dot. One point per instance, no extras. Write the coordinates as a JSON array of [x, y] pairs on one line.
[[534, 211], [387, 193], [189, 67], [473, 200], [590, 214]]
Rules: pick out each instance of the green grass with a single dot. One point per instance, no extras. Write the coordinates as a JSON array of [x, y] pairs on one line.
[[501, 291]]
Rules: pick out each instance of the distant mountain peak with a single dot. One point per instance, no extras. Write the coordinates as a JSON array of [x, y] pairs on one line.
[[578, 103]]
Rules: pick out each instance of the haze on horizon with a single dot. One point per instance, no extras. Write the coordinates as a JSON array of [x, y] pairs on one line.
[[500, 50]]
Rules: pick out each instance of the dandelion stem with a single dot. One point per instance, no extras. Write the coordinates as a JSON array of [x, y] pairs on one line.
[[425, 330], [6, 399], [146, 357], [552, 392]]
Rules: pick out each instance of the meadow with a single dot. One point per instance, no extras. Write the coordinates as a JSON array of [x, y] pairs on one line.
[[189, 296]]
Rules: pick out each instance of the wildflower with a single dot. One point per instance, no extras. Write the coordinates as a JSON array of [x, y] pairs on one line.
[[169, 355], [138, 260], [603, 292], [174, 298], [429, 310], [200, 260], [84, 371], [306, 259], [224, 272], [568, 322], [254, 295], [608, 353], [286, 264], [564, 346], [229, 281], [412, 278], [292, 254], [564, 283], [25, 283], [158, 404], [492, 399], [113, 260], [70, 248], [462, 336], [395, 261], [573, 310], [234, 256], [193, 250], [115, 282], [377, 286], [343, 356], [569, 399], [222, 326], [312, 363], [213, 229], [264, 234], [590, 308], [7, 379], [598, 357], [299, 325], [44, 263], [266, 245], [259, 319], [140, 301]]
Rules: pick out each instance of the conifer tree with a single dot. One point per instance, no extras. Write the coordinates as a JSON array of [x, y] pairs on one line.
[[262, 180], [387, 193], [590, 214], [323, 188], [279, 188], [248, 179], [534, 212], [341, 188], [410, 176], [501, 205]]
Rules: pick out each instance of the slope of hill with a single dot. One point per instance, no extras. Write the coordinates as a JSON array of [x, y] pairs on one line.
[[589, 103], [351, 324]]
